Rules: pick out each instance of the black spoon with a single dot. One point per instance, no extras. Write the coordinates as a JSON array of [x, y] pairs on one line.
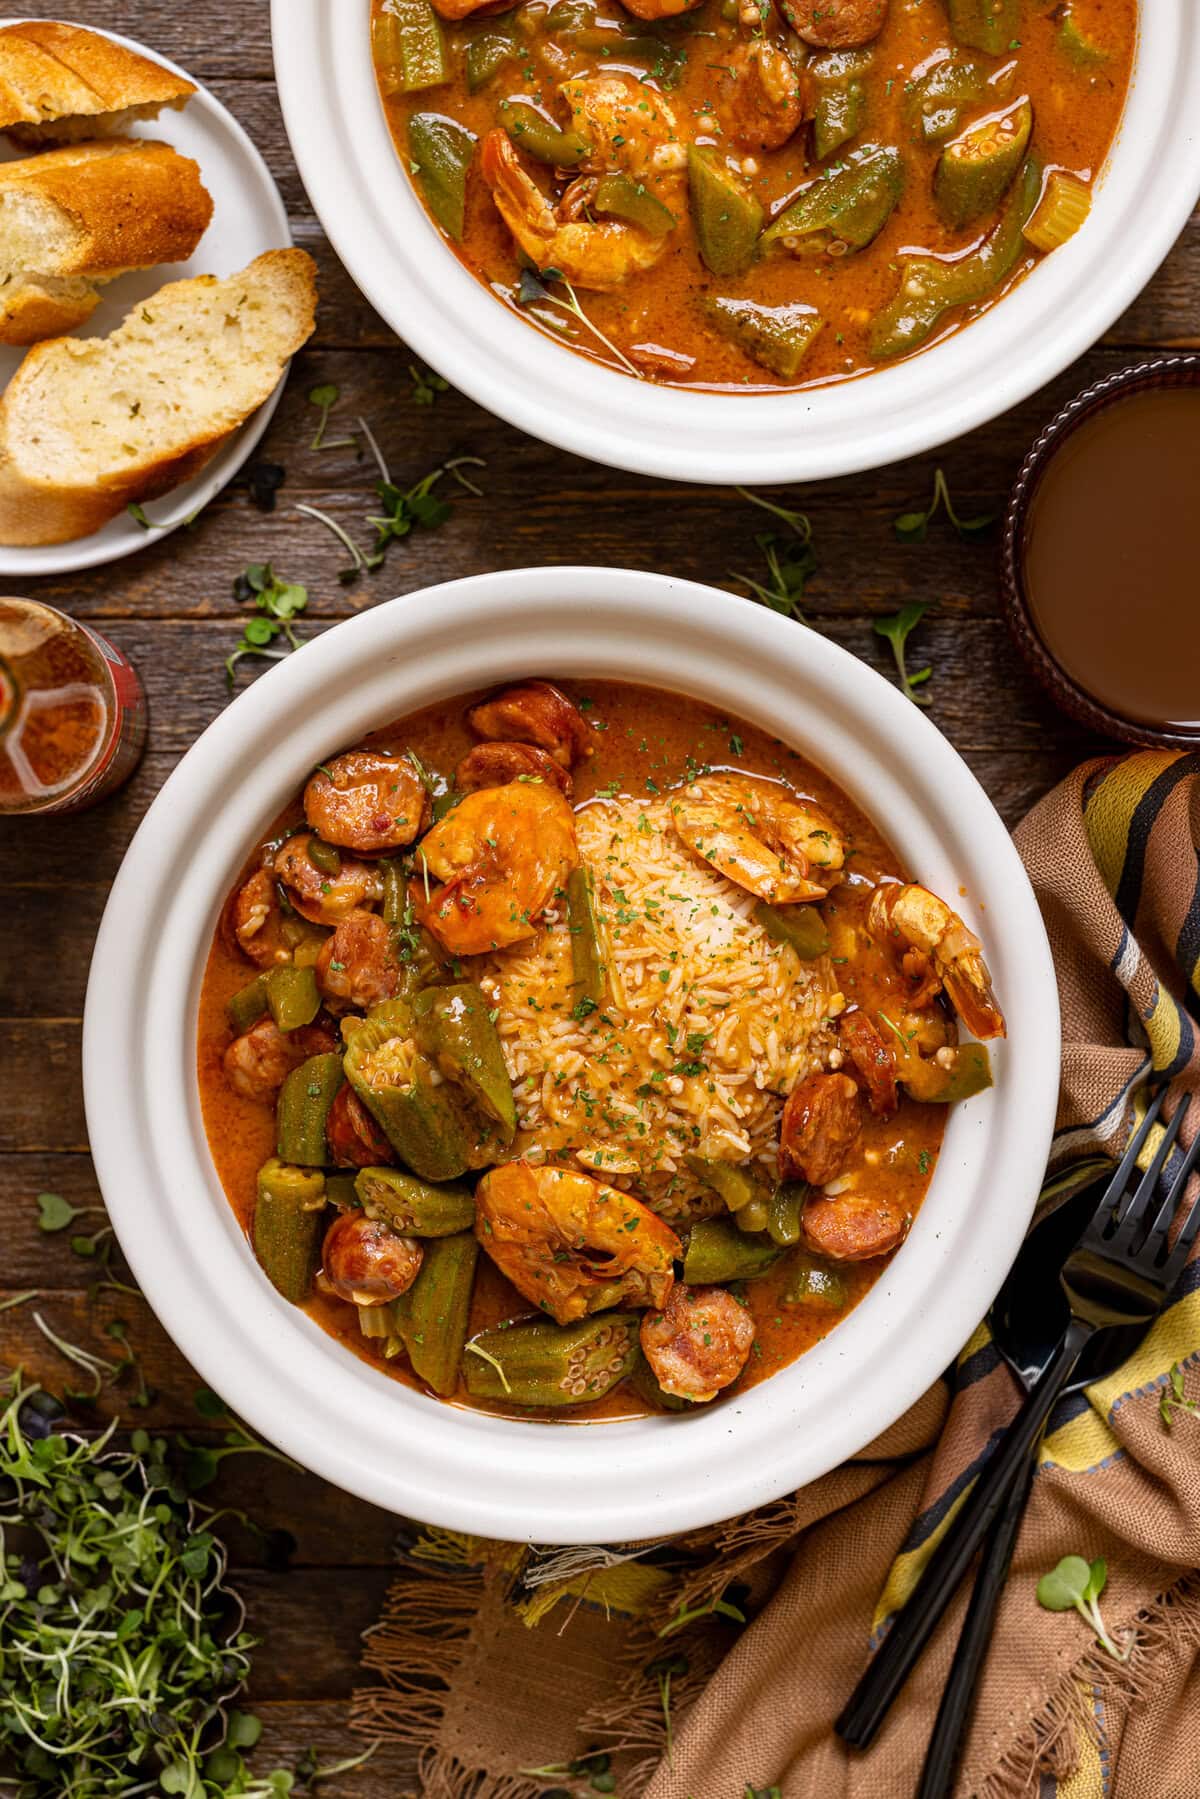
[[1027, 1321]]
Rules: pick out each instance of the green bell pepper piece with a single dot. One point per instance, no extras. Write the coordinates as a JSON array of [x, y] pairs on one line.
[[718, 1251], [454, 1028], [412, 1207], [987, 25], [840, 104], [812, 1282], [929, 288], [302, 1108], [778, 337], [725, 218], [248, 1004], [738, 1186], [976, 170], [620, 197], [292, 995], [424, 1119], [587, 961], [844, 210], [410, 48], [936, 102], [784, 1212], [801, 927], [287, 1227], [440, 152], [547, 1364], [1072, 39], [934, 1085], [541, 138], [487, 54]]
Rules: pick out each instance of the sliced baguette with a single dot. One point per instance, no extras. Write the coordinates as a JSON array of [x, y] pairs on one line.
[[60, 82], [82, 215], [90, 425]]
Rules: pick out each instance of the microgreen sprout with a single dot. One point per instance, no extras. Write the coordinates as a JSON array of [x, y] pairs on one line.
[[1173, 1398], [791, 561], [719, 1608], [594, 1767], [325, 398], [1079, 1584], [896, 629], [276, 605], [661, 1669], [911, 527], [498, 1366], [55, 1213], [426, 385], [533, 289]]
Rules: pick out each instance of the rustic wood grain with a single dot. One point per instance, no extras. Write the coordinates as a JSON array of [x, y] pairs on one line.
[[171, 608]]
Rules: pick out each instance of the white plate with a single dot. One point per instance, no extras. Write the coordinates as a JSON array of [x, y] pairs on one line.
[[274, 1365], [408, 272], [248, 218]]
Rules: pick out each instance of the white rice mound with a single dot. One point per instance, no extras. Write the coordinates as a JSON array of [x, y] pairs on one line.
[[707, 1025]]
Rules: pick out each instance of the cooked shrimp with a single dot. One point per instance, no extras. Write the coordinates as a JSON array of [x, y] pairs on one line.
[[357, 966], [537, 713], [760, 835], [836, 24], [852, 1225], [354, 1138], [760, 97], [255, 920], [571, 1244], [820, 1126], [501, 856], [366, 1262], [325, 896], [698, 1343], [259, 1061], [496, 764], [938, 951], [629, 129], [367, 802], [873, 1060]]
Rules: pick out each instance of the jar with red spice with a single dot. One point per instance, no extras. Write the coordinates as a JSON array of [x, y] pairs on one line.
[[72, 712]]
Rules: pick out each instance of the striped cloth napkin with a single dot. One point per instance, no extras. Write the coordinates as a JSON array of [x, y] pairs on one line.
[[711, 1667]]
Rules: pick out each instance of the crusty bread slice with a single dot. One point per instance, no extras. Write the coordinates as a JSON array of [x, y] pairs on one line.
[[60, 82], [82, 215], [90, 425]]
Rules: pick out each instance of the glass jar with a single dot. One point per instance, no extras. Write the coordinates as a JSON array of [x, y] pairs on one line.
[[72, 712]]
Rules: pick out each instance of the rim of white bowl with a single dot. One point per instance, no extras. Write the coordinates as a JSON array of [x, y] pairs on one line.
[[274, 1365], [378, 227]]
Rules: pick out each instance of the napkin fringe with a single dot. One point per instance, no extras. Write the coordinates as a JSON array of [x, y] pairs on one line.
[[1096, 1682], [415, 1648]]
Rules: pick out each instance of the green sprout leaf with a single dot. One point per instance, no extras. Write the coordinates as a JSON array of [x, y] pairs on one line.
[[913, 527], [55, 1213], [1173, 1398], [535, 288], [1076, 1584], [325, 398], [426, 385], [790, 559], [276, 604], [897, 629]]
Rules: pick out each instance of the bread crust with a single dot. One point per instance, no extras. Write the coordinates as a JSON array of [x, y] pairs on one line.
[[126, 203], [35, 511], [51, 71], [31, 309]]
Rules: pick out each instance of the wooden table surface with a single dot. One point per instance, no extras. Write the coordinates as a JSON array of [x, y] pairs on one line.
[[171, 609]]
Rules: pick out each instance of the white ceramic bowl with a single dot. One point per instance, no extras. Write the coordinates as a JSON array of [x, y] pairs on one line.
[[277, 1368], [380, 230]]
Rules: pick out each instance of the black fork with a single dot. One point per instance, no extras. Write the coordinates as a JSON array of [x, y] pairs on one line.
[[1120, 1272]]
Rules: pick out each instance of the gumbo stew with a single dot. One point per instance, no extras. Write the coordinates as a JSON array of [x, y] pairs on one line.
[[581, 1052], [753, 193]]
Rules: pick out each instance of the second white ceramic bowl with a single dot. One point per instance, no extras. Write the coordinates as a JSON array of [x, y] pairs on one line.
[[280, 1371], [381, 232]]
